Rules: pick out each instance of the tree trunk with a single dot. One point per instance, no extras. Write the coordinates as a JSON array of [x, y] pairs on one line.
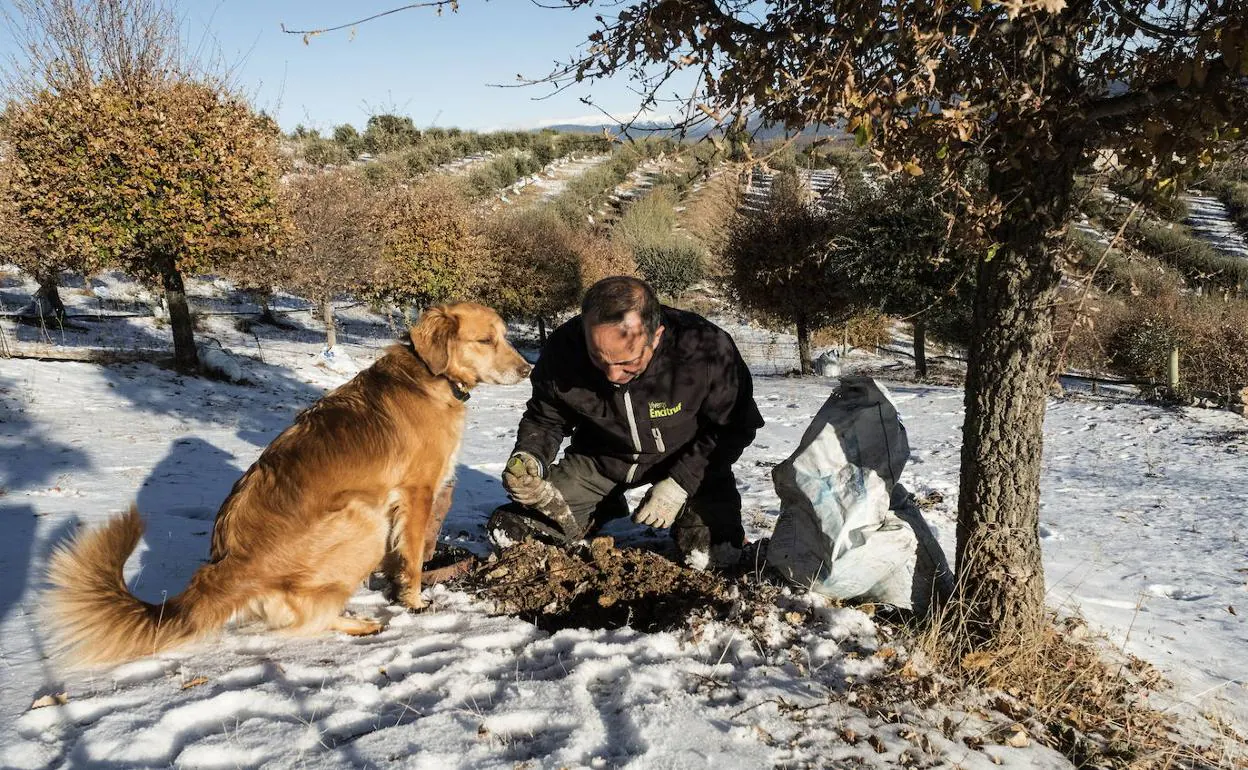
[[803, 347], [48, 299], [1000, 575], [185, 357], [264, 298], [327, 315], [920, 346], [541, 330]]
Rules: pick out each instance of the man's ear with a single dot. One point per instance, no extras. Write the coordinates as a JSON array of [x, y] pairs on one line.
[[431, 337], [658, 335]]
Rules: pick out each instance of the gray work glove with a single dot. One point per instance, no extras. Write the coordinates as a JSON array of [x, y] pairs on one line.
[[661, 505], [522, 478]]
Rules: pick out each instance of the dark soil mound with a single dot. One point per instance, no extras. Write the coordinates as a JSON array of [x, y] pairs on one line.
[[596, 586]]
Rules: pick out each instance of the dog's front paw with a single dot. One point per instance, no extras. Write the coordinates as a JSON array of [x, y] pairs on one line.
[[410, 597]]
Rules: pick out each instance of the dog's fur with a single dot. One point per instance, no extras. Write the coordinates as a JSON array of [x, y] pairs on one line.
[[364, 471]]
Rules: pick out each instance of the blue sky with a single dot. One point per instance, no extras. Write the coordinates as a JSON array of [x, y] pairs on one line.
[[437, 69]]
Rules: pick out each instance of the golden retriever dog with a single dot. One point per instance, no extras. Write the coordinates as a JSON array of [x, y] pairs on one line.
[[363, 472]]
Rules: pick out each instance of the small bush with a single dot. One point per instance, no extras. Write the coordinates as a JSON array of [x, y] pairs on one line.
[[670, 267], [1211, 335], [325, 152], [1234, 195], [1122, 271], [709, 214], [649, 220]]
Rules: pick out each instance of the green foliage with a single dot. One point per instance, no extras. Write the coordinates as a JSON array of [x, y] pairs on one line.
[[1134, 274], [346, 137], [429, 243], [671, 267], [585, 193], [179, 176], [325, 152], [895, 244], [1234, 195], [387, 133], [777, 261], [501, 171], [649, 220]]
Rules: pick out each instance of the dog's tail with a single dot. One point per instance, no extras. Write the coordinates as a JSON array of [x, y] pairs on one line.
[[95, 619]]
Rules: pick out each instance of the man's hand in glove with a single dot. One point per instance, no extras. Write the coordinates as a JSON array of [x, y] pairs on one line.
[[522, 478], [662, 503]]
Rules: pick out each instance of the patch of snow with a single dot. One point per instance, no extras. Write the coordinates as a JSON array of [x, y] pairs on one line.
[[221, 363], [337, 360]]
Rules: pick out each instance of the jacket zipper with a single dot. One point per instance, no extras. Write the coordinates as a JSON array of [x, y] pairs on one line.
[[632, 427], [658, 440]]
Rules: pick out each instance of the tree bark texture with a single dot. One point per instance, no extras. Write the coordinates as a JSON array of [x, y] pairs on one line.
[[327, 316], [1000, 576], [803, 347], [185, 357], [920, 346]]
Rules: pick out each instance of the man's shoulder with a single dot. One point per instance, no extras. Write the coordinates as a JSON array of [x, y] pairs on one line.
[[695, 329], [567, 334]]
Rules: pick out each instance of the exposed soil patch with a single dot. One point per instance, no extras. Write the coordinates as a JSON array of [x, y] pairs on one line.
[[596, 586]]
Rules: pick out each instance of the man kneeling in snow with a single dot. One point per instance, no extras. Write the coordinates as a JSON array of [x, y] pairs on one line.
[[649, 395]]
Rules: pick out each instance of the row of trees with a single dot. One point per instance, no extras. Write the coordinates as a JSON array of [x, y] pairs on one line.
[[116, 154]]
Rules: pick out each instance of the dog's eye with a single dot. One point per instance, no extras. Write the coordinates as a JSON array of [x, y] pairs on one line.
[[486, 340]]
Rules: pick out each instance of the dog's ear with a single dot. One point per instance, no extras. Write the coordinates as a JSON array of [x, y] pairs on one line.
[[431, 337]]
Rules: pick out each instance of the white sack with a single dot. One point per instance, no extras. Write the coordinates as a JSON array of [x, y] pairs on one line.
[[846, 527]]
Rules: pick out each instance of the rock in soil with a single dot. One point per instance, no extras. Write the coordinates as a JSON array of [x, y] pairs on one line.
[[596, 586]]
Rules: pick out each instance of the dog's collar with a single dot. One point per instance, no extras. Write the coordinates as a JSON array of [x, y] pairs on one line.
[[458, 391]]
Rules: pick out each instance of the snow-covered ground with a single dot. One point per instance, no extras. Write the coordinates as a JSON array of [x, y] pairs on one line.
[[1210, 220], [1142, 524]]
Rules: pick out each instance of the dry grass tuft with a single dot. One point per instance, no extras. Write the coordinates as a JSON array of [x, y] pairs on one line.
[[1060, 684]]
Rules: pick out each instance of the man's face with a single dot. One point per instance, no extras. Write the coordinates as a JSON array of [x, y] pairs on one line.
[[622, 351]]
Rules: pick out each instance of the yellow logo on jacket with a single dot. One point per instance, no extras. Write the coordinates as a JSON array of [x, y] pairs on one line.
[[661, 409]]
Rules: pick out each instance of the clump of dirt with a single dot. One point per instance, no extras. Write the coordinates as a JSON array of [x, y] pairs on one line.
[[596, 586]]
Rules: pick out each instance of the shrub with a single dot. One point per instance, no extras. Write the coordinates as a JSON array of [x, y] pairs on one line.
[[1211, 335], [647, 221], [540, 265], [430, 243], [1128, 272], [672, 267], [324, 152], [709, 213], [387, 133]]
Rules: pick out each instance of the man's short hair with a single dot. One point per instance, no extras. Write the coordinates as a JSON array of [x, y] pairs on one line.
[[611, 299]]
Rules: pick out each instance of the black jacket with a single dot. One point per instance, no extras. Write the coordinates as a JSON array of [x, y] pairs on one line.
[[691, 411]]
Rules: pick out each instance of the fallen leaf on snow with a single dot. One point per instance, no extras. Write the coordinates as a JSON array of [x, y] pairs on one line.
[[196, 682]]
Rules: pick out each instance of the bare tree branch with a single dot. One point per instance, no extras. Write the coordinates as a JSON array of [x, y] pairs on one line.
[[309, 33]]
